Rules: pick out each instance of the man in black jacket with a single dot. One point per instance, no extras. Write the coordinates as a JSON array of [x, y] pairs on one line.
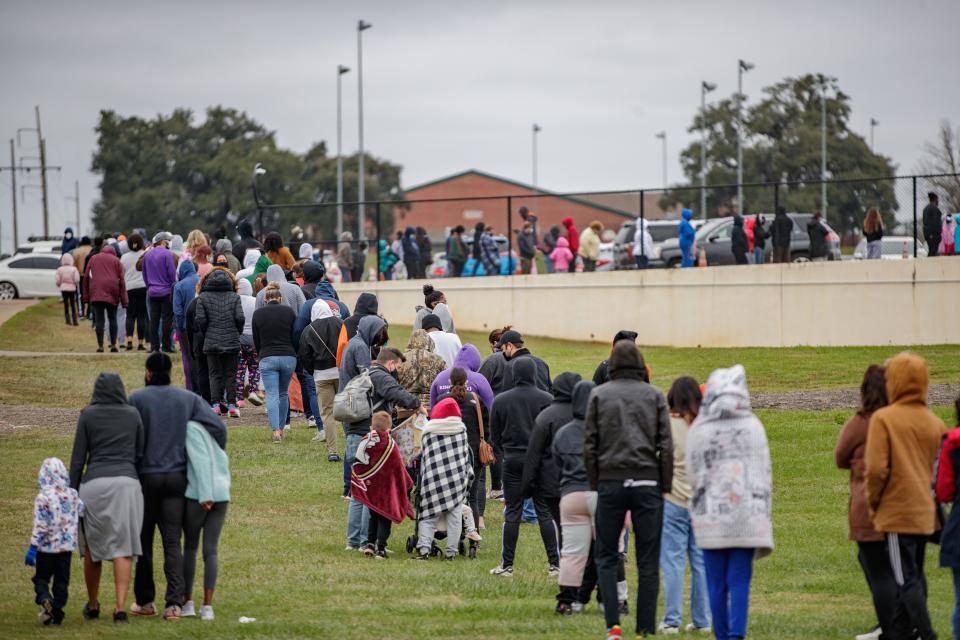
[[818, 237], [511, 345], [932, 225], [628, 455], [247, 241], [512, 419], [602, 373], [780, 231], [738, 241]]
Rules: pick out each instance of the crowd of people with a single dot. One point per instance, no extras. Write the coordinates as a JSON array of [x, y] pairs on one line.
[[687, 474]]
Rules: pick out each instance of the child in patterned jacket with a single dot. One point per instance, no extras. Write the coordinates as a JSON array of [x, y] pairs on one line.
[[56, 513]]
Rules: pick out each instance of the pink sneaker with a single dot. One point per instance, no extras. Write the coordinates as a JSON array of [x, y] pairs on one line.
[[241, 404]]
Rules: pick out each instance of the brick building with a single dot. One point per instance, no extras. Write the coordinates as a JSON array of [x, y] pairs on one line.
[[482, 197]]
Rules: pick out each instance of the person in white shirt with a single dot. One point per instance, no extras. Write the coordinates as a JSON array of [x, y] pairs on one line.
[[642, 244], [446, 345]]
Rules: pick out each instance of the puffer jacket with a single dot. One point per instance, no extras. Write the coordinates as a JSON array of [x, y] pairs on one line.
[[219, 313], [541, 475], [568, 443]]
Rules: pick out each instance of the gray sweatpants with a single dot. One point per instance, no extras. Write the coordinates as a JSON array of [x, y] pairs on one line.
[[195, 520], [454, 524]]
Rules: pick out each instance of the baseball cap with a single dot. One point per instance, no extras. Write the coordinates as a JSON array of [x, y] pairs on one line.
[[510, 337]]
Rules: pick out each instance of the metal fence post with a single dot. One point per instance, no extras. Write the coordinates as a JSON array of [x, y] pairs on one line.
[[642, 220], [915, 241], [510, 267], [776, 197], [377, 248]]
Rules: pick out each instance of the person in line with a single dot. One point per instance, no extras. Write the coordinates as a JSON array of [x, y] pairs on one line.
[[192, 341], [315, 286], [381, 483], [573, 237], [602, 373], [220, 319], [781, 230], [446, 345], [80, 255], [902, 444], [69, 242], [527, 247], [873, 233], [817, 231], [411, 253], [512, 419], [434, 302], [105, 289], [677, 541], [688, 239], [203, 257], [273, 338], [366, 305], [467, 359], [871, 550], [224, 247], [68, 279], [207, 497], [947, 246], [731, 496], [108, 447], [195, 239], [248, 363], [642, 243], [276, 251], [932, 225], [489, 253], [164, 411], [512, 345], [457, 252], [318, 358], [250, 260], [420, 367], [561, 257], [495, 365], [136, 292], [628, 454], [760, 235], [247, 241], [426, 252], [344, 256], [738, 241], [56, 514], [183, 294], [292, 294], [446, 473], [589, 249], [160, 274], [947, 493], [388, 260], [549, 244]]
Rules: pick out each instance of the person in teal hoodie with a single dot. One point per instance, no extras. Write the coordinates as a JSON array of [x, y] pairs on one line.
[[183, 292], [208, 494], [687, 236]]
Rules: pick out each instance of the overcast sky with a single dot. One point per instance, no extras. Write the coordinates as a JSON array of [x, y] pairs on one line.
[[450, 86]]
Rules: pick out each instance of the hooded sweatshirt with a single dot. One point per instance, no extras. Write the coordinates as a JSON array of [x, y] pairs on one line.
[[219, 314], [728, 467], [56, 510], [356, 355], [562, 256], [225, 248], [247, 241], [292, 295], [687, 235], [67, 277], [441, 310], [568, 443], [318, 343], [902, 444], [69, 242], [313, 273], [642, 240], [208, 469], [104, 280], [468, 359], [367, 305], [184, 291], [249, 304], [249, 262], [159, 272], [515, 411], [422, 366], [947, 246], [261, 266], [573, 236], [541, 473]]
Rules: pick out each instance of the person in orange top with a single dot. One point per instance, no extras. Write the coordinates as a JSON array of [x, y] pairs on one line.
[[277, 252], [902, 443]]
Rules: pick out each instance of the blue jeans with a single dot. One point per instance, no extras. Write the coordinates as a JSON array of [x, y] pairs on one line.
[[529, 512], [642, 261], [757, 255], [728, 578], [276, 371], [358, 517], [308, 391], [676, 543], [956, 606]]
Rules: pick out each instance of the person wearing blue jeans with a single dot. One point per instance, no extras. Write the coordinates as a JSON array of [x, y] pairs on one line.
[[308, 391], [728, 579], [272, 327], [358, 516], [276, 372]]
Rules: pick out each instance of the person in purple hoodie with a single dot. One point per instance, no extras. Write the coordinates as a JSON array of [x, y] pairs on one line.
[[160, 274], [468, 359]]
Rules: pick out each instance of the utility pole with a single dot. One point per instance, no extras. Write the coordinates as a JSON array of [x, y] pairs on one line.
[[705, 88], [823, 145], [873, 123], [361, 195], [13, 168], [536, 130], [13, 194], [742, 67], [76, 200], [43, 175], [340, 71], [663, 136]]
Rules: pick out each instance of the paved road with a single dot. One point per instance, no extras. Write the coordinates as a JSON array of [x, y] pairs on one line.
[[10, 308]]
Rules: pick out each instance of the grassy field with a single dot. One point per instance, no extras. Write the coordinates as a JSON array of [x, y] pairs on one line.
[[282, 559]]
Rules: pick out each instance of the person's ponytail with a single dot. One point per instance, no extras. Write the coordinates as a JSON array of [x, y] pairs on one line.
[[458, 384]]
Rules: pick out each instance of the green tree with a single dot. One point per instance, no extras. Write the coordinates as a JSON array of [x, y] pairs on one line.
[[170, 173], [781, 143]]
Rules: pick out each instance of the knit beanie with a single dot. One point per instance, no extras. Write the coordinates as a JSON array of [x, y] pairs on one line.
[[626, 355], [446, 408], [431, 321], [381, 421]]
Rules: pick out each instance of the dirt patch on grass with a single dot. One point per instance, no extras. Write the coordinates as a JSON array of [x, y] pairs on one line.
[[939, 394]]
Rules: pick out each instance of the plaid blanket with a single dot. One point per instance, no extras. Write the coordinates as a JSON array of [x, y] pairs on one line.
[[446, 472]]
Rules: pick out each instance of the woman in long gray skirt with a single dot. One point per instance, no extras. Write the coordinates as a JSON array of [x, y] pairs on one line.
[[106, 449]]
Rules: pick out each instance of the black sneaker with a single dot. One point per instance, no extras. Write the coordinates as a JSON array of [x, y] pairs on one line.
[[140, 347], [129, 346], [120, 617], [421, 556], [369, 551], [448, 558], [99, 349], [90, 614], [563, 609], [623, 608], [46, 614], [333, 458], [114, 349]]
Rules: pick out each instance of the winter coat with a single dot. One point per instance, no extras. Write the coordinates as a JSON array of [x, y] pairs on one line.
[[642, 240], [57, 510], [344, 252], [411, 251], [947, 485], [738, 238], [208, 469], [728, 465], [589, 244], [225, 248], [446, 469], [568, 443], [426, 251], [550, 239], [493, 369], [849, 455], [367, 305], [515, 411], [781, 230], [932, 222], [456, 249], [760, 235], [219, 314], [246, 242], [468, 412], [67, 277], [688, 237], [184, 292], [947, 246], [573, 236], [527, 244], [80, 255], [818, 238], [386, 395], [104, 280], [468, 359], [561, 257], [159, 271], [541, 473], [292, 294], [69, 242], [489, 254], [282, 258], [387, 257], [902, 444], [318, 340], [542, 371], [421, 368]]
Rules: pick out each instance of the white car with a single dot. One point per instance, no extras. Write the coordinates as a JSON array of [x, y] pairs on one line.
[[29, 275], [40, 246], [892, 248]]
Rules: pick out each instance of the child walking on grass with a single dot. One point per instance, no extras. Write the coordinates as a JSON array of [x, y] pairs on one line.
[[56, 513]]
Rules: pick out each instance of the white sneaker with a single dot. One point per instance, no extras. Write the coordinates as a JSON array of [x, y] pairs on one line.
[[668, 631], [206, 612], [286, 427], [870, 635], [576, 607], [350, 547], [691, 628], [320, 437], [312, 422], [553, 571], [504, 572], [254, 399], [188, 610]]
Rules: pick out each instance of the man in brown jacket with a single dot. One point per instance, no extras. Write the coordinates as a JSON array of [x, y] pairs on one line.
[[902, 443]]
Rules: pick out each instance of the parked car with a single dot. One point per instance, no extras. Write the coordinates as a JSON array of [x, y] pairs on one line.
[[29, 275], [660, 231], [893, 248], [40, 246], [714, 237]]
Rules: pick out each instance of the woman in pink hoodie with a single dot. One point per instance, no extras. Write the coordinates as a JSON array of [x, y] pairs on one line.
[[68, 278], [561, 256]]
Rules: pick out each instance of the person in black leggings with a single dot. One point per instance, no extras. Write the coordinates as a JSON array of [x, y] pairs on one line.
[[104, 287], [136, 292]]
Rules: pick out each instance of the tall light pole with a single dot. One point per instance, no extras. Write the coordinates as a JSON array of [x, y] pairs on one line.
[[705, 88], [663, 136], [361, 27], [823, 145], [536, 130], [340, 71], [873, 122], [742, 67]]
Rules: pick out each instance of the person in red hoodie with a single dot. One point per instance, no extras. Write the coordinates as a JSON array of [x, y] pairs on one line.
[[948, 481], [104, 287], [573, 237]]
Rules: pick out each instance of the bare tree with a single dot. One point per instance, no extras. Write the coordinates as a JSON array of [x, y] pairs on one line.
[[943, 157]]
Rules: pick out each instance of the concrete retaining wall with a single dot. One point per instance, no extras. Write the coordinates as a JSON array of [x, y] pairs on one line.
[[830, 304]]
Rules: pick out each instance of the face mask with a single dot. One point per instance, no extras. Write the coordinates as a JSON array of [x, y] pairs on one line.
[[68, 236]]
